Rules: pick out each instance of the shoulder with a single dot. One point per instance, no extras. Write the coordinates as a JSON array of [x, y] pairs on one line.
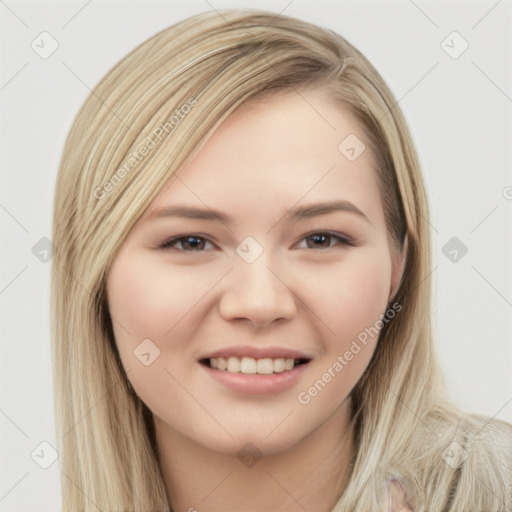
[[487, 434], [492, 442], [460, 461], [469, 465], [485, 460]]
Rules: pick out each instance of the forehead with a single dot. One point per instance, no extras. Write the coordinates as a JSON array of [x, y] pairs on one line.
[[274, 153]]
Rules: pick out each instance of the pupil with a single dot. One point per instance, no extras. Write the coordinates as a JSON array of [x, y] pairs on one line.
[[193, 238], [316, 237]]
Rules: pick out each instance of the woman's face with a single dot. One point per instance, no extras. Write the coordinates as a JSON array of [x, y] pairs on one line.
[[277, 278]]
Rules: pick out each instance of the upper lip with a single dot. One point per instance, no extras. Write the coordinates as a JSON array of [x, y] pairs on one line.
[[257, 352]]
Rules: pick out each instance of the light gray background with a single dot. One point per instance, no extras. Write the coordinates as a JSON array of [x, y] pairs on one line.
[[459, 112]]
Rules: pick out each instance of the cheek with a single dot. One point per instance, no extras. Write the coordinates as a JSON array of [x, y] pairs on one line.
[[357, 296], [149, 300], [350, 297]]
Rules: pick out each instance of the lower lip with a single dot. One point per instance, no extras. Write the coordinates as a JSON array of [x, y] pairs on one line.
[[256, 383]]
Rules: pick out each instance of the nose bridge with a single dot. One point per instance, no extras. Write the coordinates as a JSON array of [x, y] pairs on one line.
[[256, 290], [257, 277]]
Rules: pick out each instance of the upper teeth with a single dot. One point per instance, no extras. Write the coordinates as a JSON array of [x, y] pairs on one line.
[[249, 365]]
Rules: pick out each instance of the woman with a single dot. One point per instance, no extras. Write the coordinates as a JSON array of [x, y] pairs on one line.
[[241, 302]]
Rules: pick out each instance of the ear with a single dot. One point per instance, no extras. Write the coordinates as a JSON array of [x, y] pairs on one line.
[[397, 271]]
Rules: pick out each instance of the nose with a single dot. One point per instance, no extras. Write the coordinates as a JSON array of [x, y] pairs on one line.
[[257, 292]]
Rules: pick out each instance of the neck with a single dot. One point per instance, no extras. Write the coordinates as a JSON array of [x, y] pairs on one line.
[[311, 475]]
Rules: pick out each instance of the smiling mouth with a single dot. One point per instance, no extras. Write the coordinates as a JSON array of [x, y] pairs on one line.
[[248, 365]]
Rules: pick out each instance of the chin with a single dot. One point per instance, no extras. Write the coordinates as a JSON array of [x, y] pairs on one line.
[[253, 442]]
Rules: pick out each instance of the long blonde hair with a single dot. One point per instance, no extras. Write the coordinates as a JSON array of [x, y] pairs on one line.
[[174, 90]]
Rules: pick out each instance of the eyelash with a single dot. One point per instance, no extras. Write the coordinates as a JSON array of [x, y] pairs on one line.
[[167, 244]]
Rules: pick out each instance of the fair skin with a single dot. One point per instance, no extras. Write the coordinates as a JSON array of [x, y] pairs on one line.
[[307, 292]]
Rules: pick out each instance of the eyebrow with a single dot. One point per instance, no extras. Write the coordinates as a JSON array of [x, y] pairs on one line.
[[293, 215]]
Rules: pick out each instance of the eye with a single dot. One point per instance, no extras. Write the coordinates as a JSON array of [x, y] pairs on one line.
[[322, 240], [195, 243], [189, 243]]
